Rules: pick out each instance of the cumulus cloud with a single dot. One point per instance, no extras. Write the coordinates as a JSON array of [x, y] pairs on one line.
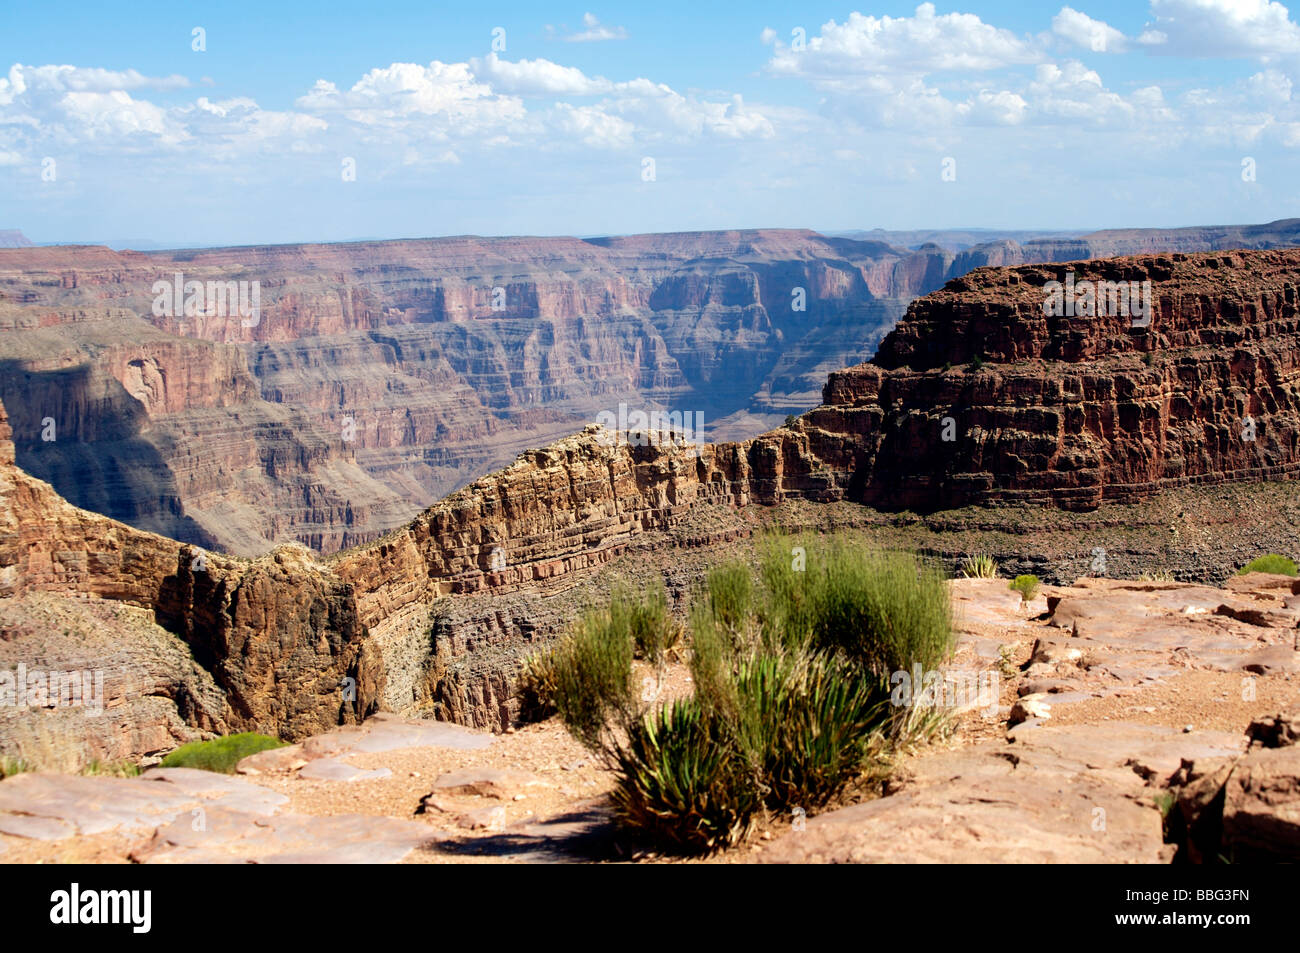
[[447, 93], [1258, 29], [1082, 30], [537, 77], [923, 43]]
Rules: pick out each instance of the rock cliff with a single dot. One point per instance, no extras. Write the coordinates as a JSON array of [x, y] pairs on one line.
[[1066, 410], [379, 376]]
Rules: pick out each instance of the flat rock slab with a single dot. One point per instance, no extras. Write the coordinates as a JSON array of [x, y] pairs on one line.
[[989, 820], [56, 806], [330, 769], [381, 732], [1073, 794], [234, 837]]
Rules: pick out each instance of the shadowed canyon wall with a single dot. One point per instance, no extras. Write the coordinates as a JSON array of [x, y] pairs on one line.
[[379, 376]]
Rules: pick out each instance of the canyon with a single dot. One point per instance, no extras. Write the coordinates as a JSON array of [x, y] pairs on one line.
[[1066, 440], [380, 376]]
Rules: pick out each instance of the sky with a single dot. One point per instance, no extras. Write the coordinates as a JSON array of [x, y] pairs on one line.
[[259, 123]]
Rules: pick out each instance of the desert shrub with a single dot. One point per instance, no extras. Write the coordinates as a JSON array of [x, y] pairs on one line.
[[680, 783], [730, 595], [535, 686], [593, 677], [1271, 563], [979, 567], [220, 754], [646, 618], [791, 675], [1027, 585], [814, 721], [884, 610], [12, 766]]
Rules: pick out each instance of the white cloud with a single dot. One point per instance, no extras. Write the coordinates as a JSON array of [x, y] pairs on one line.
[[1258, 29], [537, 77], [596, 31], [447, 94], [1082, 30], [921, 44]]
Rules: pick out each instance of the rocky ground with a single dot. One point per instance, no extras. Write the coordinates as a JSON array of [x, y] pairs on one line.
[[1118, 703]]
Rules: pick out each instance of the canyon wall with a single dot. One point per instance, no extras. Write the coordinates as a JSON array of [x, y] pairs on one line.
[[379, 376], [978, 396]]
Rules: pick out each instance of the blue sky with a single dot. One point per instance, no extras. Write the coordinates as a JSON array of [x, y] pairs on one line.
[[825, 115]]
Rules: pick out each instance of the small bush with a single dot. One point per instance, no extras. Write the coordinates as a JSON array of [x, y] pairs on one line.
[[680, 784], [979, 567], [1272, 563], [791, 677], [593, 678], [731, 596], [977, 362], [1027, 585], [535, 686], [11, 766], [647, 621], [815, 720], [220, 754]]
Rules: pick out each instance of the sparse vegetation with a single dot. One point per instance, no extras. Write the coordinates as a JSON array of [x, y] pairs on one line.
[[12, 766], [791, 675], [1027, 585], [1156, 575], [979, 567], [1272, 563], [220, 754], [536, 686], [111, 769], [977, 362]]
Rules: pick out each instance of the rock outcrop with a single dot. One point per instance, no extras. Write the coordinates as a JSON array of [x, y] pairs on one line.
[[379, 376], [434, 616]]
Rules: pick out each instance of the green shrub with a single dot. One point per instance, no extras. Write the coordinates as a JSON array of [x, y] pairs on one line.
[[979, 567], [791, 677], [1026, 585], [593, 678], [680, 783], [12, 766], [813, 723], [731, 595], [884, 610], [535, 686], [220, 754], [1272, 563], [646, 619]]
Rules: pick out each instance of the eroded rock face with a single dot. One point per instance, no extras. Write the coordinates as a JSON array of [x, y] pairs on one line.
[[379, 376], [1076, 410], [272, 645], [297, 644]]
